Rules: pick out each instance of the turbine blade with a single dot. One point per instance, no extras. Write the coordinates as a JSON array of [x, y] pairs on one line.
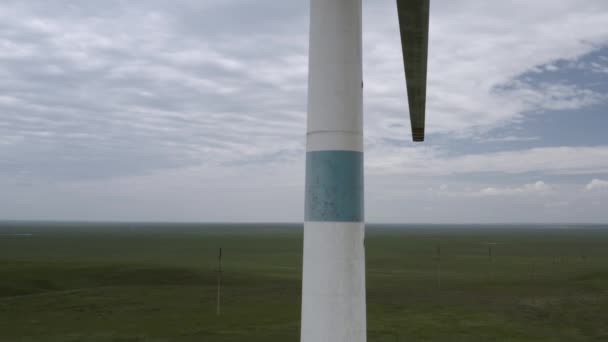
[[414, 28]]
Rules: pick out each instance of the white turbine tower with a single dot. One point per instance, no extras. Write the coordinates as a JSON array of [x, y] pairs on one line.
[[333, 284]]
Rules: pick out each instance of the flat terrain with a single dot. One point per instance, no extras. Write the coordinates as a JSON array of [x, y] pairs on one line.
[[157, 282]]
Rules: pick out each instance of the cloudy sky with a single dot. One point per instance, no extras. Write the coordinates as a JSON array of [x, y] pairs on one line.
[[195, 110]]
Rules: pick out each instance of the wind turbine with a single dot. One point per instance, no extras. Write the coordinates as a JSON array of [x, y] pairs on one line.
[[333, 283]]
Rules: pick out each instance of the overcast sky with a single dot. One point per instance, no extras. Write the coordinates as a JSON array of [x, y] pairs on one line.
[[195, 111]]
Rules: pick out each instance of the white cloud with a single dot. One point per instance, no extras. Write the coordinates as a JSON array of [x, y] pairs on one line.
[[435, 162], [508, 138], [597, 184], [551, 96], [601, 66], [538, 187]]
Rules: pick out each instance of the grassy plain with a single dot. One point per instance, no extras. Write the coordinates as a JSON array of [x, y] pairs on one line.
[[157, 282]]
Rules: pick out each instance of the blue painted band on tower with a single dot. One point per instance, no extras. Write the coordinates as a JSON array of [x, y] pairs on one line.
[[334, 186]]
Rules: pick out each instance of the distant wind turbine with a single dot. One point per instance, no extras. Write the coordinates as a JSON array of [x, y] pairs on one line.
[[333, 284]]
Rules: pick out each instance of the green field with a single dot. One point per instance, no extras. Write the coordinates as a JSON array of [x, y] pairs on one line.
[[157, 282]]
